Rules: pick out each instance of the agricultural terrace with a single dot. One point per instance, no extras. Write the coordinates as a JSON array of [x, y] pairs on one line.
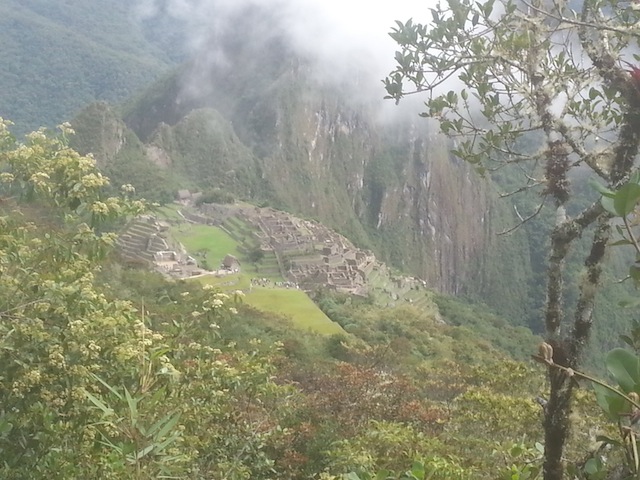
[[294, 304], [209, 245]]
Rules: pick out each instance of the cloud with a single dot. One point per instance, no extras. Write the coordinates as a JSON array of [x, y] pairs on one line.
[[344, 39]]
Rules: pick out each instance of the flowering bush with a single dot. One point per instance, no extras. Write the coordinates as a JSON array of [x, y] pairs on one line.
[[88, 388]]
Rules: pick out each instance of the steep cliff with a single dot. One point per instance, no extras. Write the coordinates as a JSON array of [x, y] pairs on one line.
[[261, 125]]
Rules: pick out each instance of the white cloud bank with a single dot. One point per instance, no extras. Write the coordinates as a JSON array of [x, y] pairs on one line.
[[340, 36]]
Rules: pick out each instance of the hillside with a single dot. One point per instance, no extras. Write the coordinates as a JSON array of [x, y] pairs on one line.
[[296, 146], [261, 126], [324, 306], [279, 263], [59, 56]]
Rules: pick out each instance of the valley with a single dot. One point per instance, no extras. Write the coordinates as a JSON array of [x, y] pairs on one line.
[[235, 260], [275, 259]]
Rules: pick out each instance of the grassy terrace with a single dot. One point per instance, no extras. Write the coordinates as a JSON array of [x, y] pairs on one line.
[[210, 244], [294, 304], [169, 212], [207, 243]]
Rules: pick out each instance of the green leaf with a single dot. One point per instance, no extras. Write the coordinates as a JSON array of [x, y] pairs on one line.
[[417, 470], [634, 273], [608, 440], [629, 303], [627, 339], [613, 405], [351, 476], [607, 204], [625, 368], [626, 199], [5, 427], [621, 242], [133, 407], [168, 426], [516, 451], [601, 189], [592, 466], [98, 403], [144, 452], [488, 8], [111, 389]]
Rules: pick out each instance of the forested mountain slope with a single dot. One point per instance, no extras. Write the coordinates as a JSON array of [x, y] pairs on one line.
[[58, 56], [114, 372], [262, 126]]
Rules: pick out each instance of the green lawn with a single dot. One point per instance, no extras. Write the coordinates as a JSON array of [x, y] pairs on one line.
[[206, 239], [294, 304], [212, 244]]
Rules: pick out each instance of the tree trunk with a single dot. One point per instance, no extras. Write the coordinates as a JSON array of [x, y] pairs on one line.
[[567, 351], [556, 424]]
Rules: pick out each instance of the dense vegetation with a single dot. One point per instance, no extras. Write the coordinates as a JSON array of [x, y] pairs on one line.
[[522, 105], [202, 151], [58, 57], [110, 371], [113, 372]]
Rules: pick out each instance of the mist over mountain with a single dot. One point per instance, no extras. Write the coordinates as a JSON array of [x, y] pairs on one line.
[[251, 113], [341, 40], [276, 102]]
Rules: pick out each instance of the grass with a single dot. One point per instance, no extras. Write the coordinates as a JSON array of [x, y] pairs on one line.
[[294, 304], [210, 244], [206, 241], [169, 212], [213, 243], [235, 281]]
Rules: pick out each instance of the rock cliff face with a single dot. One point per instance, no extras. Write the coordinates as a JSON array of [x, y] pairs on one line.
[[260, 125], [444, 209]]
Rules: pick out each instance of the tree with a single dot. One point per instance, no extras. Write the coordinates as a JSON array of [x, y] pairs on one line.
[[537, 71], [89, 386]]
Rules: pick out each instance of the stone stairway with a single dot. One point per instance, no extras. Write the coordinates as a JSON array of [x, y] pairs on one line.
[[141, 239]]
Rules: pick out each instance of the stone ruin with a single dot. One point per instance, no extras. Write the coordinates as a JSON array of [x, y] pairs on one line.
[[309, 254], [147, 240]]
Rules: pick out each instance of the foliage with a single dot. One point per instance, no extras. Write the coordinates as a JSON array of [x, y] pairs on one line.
[[216, 196], [623, 204], [451, 328], [88, 389], [111, 372], [113, 56], [521, 73], [57, 329]]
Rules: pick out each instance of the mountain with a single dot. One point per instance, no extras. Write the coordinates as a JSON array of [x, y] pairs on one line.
[[262, 126], [58, 56]]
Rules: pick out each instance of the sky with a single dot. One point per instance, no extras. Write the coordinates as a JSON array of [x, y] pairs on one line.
[[336, 34]]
